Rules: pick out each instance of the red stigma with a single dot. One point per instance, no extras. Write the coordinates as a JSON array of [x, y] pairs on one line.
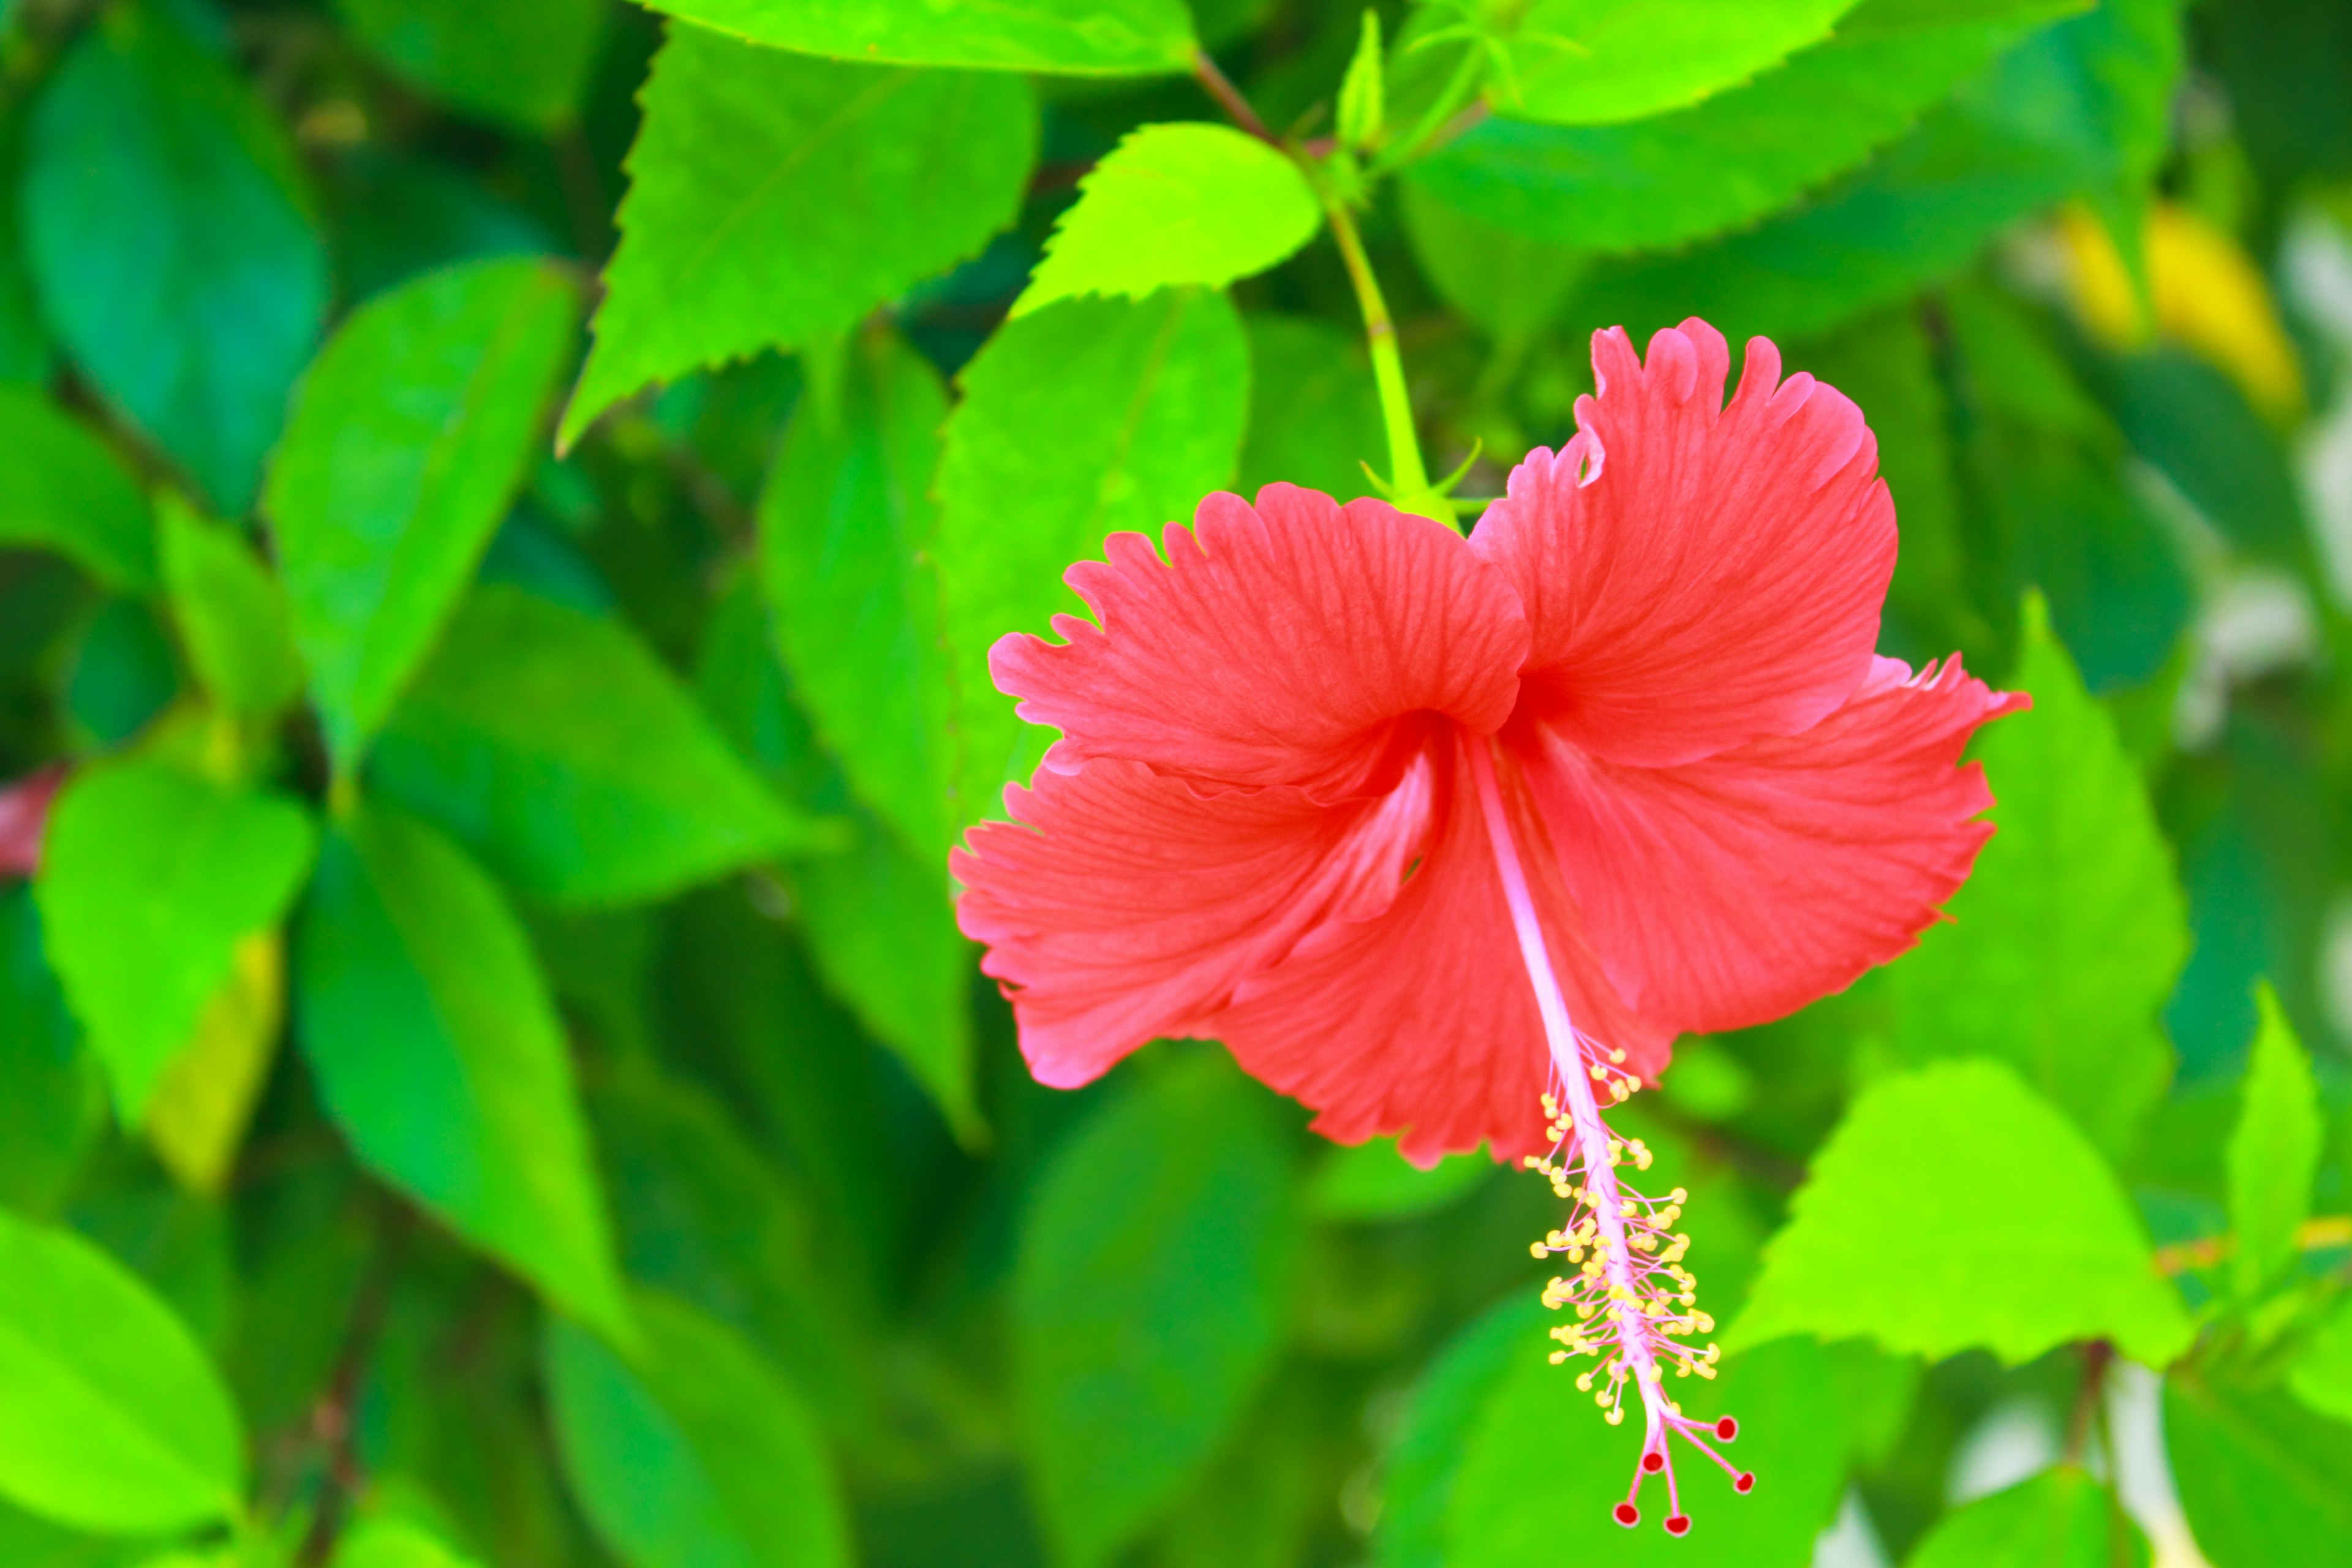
[[1727, 1428], [1627, 1514], [1678, 1524], [1744, 1481], [1654, 1461]]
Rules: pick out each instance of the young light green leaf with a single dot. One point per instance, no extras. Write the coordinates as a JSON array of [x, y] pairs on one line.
[[1176, 204], [1372, 1182], [150, 878], [1741, 153], [2060, 1518], [2072, 903], [62, 490], [386, 1541], [2262, 1480], [171, 245], [1076, 38], [1314, 413], [197, 1117], [1955, 1208], [2322, 1374], [555, 746], [231, 613], [847, 528], [696, 1453], [2274, 1152], [408, 438], [522, 62], [1153, 1275], [775, 200], [1538, 1455], [1091, 417], [438, 1054], [111, 1417], [1362, 110], [55, 1102], [1593, 62]]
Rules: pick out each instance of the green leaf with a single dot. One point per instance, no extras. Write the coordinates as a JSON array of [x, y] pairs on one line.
[[408, 438], [1362, 91], [231, 612], [1539, 1460], [2274, 1152], [555, 746], [2072, 903], [1741, 153], [1314, 413], [62, 490], [2060, 1518], [1372, 1182], [1078, 37], [1172, 204], [1083, 420], [150, 878], [699, 1453], [1590, 62], [390, 1542], [522, 62], [1148, 1296], [197, 1117], [54, 1100], [110, 1418], [847, 528], [2322, 1374], [1420, 1472], [2262, 1480], [1508, 284], [775, 200], [438, 1054], [1956, 1208], [171, 245]]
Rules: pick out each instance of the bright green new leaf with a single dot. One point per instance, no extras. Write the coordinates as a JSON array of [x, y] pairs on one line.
[[1954, 1208], [1314, 413], [556, 747], [408, 438], [150, 878], [231, 613], [2060, 1518], [1148, 1296], [197, 1114], [55, 1102], [2322, 1375], [696, 1455], [1538, 1459], [62, 490], [1078, 37], [2274, 1152], [1362, 106], [848, 526], [391, 1542], [775, 200], [1741, 153], [171, 245], [2072, 903], [1094, 416], [1176, 204], [1372, 1182], [1592, 62], [111, 1417], [2262, 1480], [523, 62], [439, 1053]]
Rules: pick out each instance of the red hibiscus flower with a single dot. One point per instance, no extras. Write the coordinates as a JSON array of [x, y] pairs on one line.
[[24, 814]]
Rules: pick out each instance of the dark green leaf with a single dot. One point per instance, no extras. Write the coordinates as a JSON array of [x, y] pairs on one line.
[[231, 615], [1507, 283], [438, 1054], [1314, 414], [120, 676], [1373, 1182], [2262, 1480], [170, 243], [2274, 1152], [2060, 1518], [1082, 38], [1420, 1472], [150, 878], [408, 439], [553, 745], [699, 1455], [52, 1102], [1084, 419], [1154, 1270], [525, 62], [1955, 1208], [2073, 904], [63, 491], [775, 200], [110, 1418]]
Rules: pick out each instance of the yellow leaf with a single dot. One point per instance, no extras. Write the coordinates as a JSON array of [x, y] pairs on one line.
[[196, 1118]]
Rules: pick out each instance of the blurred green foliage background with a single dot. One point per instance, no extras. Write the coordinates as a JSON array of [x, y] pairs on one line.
[[488, 1073]]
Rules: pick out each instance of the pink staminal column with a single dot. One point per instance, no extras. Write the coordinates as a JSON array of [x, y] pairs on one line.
[[1633, 1301]]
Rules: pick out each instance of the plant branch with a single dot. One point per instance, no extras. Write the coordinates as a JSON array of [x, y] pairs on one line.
[[1229, 97]]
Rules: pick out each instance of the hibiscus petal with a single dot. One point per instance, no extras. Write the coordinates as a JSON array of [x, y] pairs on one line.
[[1420, 1021], [1276, 645], [1696, 575], [1730, 890], [1130, 906]]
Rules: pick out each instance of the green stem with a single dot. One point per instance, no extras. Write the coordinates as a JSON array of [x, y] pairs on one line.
[[1407, 474]]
